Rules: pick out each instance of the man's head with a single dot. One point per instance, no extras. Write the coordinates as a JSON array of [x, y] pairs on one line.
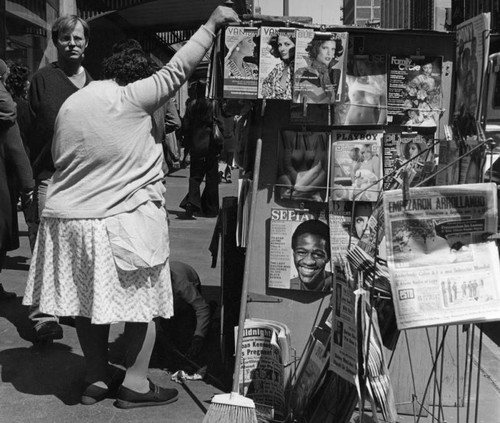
[[362, 212], [70, 35], [311, 252]]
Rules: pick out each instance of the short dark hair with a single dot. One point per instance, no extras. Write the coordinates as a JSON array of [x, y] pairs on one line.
[[128, 66], [313, 227], [126, 45], [314, 45], [67, 23], [273, 42], [17, 81]]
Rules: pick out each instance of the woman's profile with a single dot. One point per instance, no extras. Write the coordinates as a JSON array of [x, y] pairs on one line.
[[278, 83], [320, 80], [236, 64]]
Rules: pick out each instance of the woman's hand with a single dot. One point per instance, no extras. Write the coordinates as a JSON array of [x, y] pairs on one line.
[[222, 15]]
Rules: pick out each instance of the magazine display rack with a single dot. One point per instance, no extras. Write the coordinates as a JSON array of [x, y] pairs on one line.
[[400, 140]]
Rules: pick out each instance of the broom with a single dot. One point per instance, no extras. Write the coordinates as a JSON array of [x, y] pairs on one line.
[[233, 407]]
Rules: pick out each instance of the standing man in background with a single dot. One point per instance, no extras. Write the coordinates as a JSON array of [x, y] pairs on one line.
[[50, 87]]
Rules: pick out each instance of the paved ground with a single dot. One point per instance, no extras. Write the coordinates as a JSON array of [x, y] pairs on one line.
[[42, 383]]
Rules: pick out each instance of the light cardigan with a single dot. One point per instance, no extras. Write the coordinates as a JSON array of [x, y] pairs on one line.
[[106, 158]]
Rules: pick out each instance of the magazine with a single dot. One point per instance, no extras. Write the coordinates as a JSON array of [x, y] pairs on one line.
[[319, 71], [347, 227], [356, 170], [241, 68], [277, 47], [265, 371], [407, 155], [472, 57], [365, 90], [415, 97], [302, 165], [298, 237], [442, 271]]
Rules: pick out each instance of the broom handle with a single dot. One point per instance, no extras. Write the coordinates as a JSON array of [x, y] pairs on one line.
[[246, 274]]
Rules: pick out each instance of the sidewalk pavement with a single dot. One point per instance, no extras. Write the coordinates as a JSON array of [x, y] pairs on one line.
[[43, 383]]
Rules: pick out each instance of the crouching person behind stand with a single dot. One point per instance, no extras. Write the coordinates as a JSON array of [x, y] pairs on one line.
[[190, 309]]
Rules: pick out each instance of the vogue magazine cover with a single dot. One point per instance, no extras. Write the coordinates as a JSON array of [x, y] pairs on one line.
[[241, 70], [277, 52], [319, 66]]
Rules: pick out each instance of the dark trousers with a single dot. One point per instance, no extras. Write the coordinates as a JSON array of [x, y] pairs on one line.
[[208, 202]]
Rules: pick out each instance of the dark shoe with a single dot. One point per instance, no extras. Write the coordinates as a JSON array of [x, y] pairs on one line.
[[126, 398], [93, 394], [48, 330], [5, 295]]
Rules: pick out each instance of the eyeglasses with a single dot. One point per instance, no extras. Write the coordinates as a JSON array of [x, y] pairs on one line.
[[71, 39]]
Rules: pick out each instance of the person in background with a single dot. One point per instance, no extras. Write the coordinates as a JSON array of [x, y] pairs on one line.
[[278, 84], [311, 254], [188, 300], [16, 177], [50, 87], [204, 150], [105, 219]]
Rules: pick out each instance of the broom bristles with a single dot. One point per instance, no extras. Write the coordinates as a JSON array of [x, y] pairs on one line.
[[231, 408]]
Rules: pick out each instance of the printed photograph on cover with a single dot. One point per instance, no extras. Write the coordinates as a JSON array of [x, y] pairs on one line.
[[277, 52], [365, 92], [299, 250], [319, 66], [312, 115], [415, 97], [344, 231], [241, 70], [302, 165], [472, 50], [356, 165], [408, 155]]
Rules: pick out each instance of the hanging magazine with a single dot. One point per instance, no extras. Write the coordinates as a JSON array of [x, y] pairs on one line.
[[365, 100], [415, 90], [319, 66], [241, 68], [277, 47], [356, 165], [442, 271], [302, 165], [299, 250]]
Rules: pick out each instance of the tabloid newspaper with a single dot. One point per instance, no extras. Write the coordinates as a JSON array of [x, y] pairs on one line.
[[265, 371], [356, 165], [241, 69], [276, 63], [410, 154], [365, 90], [284, 266], [472, 57], [343, 359], [415, 90], [319, 72], [442, 271]]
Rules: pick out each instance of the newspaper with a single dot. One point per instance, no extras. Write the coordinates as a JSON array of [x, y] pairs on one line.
[[343, 360], [319, 72], [356, 165], [442, 271], [285, 267], [415, 90], [240, 62], [265, 357]]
